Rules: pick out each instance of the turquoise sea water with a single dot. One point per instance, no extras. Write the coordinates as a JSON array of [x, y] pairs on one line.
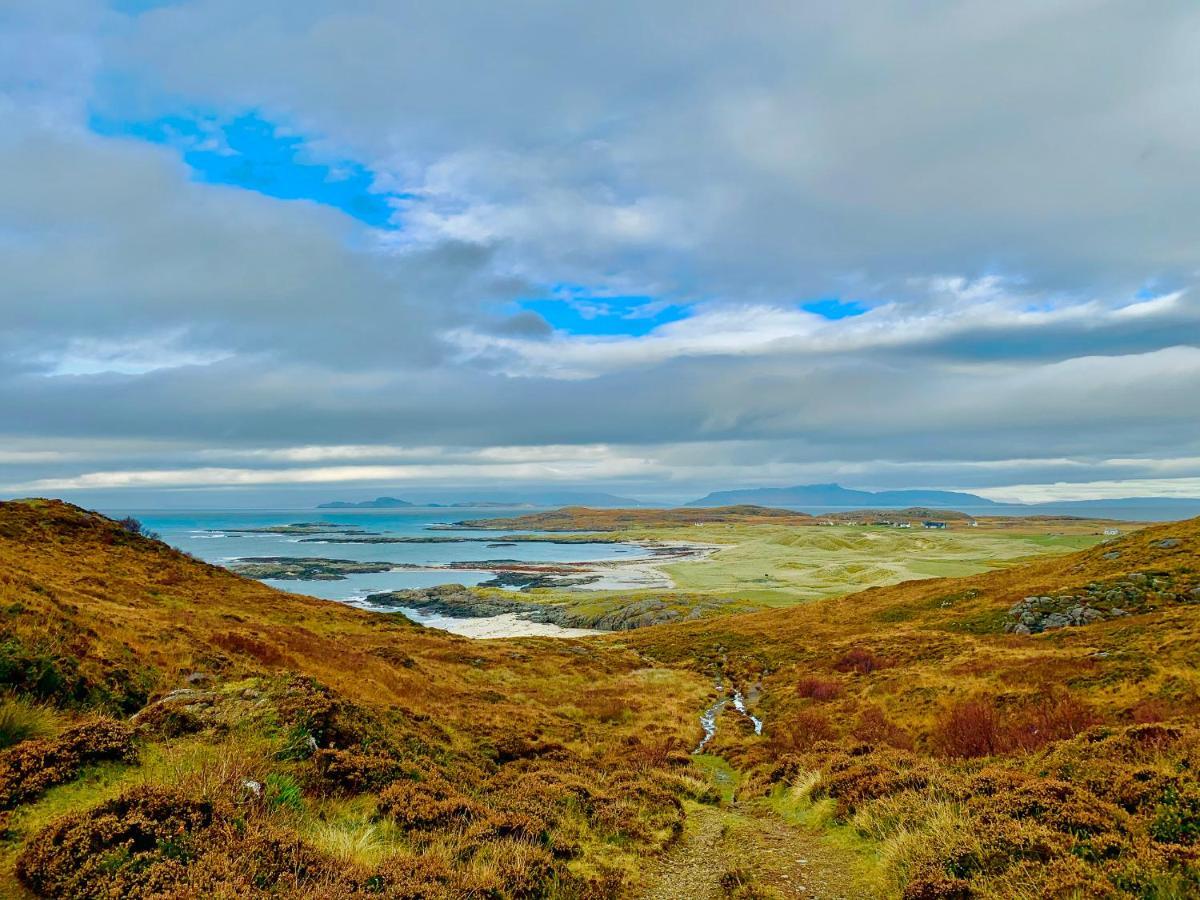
[[211, 535]]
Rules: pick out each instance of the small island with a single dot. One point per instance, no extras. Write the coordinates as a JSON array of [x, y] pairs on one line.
[[377, 503]]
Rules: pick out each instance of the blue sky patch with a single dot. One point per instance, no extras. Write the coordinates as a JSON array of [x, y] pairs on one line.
[[577, 312], [835, 308], [252, 153], [134, 7]]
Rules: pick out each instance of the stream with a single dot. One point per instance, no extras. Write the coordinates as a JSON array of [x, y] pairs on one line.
[[708, 718]]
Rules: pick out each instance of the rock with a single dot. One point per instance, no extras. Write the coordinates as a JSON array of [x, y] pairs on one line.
[[198, 678], [1116, 612], [1168, 543], [1055, 620], [253, 787], [1018, 628], [1112, 554]]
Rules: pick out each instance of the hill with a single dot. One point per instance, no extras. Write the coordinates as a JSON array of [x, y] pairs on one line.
[[173, 729], [1028, 732], [834, 495], [176, 729]]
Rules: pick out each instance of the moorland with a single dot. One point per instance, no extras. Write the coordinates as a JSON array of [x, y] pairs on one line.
[[172, 729]]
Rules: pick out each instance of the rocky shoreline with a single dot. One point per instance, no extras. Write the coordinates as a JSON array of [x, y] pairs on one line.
[[637, 573], [460, 602]]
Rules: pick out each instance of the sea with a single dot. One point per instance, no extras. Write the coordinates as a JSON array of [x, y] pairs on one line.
[[221, 537]]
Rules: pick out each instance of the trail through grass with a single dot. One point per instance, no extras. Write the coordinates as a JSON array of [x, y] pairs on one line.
[[749, 850]]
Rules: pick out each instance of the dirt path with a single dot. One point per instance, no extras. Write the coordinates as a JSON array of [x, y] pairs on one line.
[[741, 850]]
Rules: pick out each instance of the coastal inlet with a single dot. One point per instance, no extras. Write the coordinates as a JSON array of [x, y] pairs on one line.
[[373, 559]]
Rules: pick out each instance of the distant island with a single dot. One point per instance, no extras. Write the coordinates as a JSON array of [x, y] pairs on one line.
[[836, 495], [377, 503], [532, 501]]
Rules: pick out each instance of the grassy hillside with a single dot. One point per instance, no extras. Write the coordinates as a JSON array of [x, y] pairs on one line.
[[976, 761], [170, 729], [288, 743]]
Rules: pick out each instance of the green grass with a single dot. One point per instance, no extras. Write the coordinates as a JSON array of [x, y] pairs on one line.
[[722, 775], [810, 562], [765, 566]]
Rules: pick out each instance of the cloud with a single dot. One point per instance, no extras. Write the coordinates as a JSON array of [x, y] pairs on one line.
[[1007, 193]]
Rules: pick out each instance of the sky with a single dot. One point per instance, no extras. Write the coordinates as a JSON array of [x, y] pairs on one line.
[[293, 250]]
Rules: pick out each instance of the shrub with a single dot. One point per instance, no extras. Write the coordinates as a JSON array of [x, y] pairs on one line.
[[1055, 717], [31, 767], [117, 840], [800, 732], [422, 805], [352, 772], [133, 526], [1177, 818], [873, 727], [862, 661], [818, 689], [970, 729], [40, 673]]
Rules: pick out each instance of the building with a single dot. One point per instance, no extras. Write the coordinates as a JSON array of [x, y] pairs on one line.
[[934, 524]]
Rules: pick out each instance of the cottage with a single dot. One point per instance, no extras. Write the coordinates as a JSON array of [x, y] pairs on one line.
[[934, 524]]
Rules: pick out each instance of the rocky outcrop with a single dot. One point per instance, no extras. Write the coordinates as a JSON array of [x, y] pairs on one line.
[[1134, 593], [457, 601], [305, 568]]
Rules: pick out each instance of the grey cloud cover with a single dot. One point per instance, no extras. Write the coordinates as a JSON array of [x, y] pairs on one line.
[[997, 180]]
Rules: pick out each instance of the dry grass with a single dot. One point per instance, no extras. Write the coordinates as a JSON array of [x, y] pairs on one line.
[[330, 752], [980, 763]]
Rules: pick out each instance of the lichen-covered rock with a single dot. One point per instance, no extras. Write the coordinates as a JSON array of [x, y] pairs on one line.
[[1133, 593]]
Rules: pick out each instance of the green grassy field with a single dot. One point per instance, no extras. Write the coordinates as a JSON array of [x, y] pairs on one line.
[[780, 565], [763, 565]]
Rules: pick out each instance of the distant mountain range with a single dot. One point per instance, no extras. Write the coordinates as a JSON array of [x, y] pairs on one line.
[[835, 495], [554, 498]]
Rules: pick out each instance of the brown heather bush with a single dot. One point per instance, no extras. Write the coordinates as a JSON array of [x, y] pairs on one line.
[[818, 689], [31, 767], [970, 728], [873, 727], [1056, 716], [241, 644], [863, 773], [429, 803], [137, 844], [976, 727], [862, 661], [351, 772], [799, 732]]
